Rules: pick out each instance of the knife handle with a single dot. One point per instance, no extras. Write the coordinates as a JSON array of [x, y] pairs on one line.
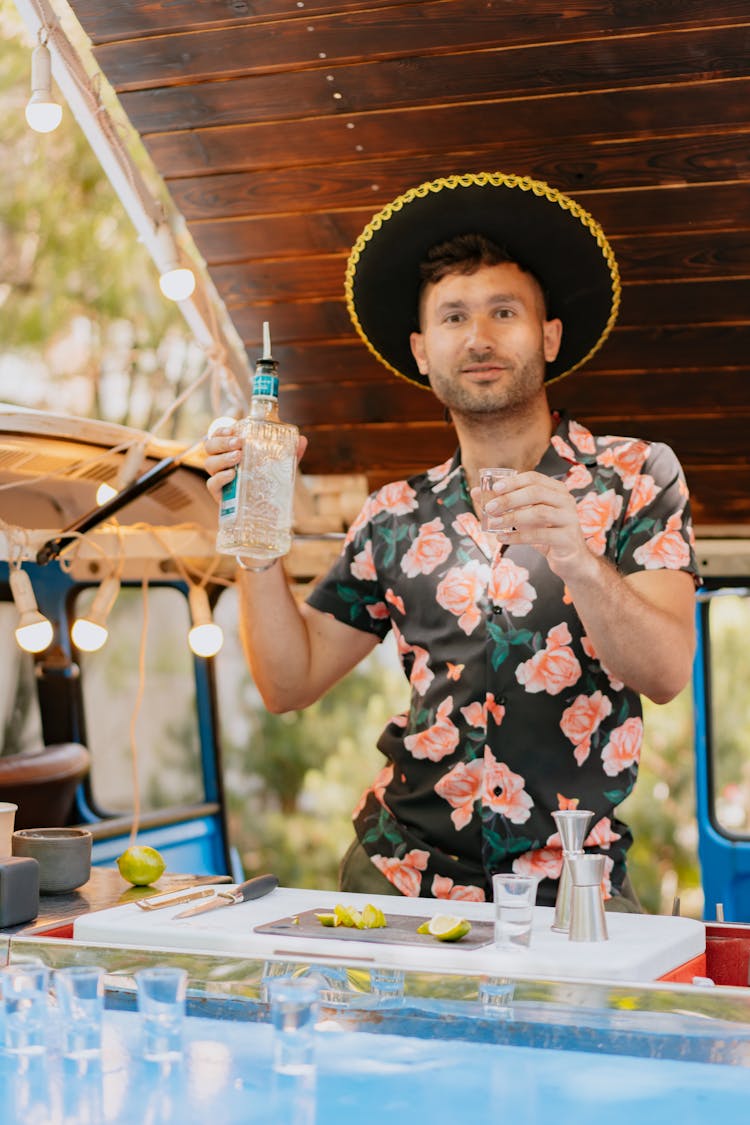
[[255, 888]]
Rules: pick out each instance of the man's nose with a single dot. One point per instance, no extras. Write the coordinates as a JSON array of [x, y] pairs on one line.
[[478, 335]]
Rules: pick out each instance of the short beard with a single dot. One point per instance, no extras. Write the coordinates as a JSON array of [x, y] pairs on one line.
[[513, 398]]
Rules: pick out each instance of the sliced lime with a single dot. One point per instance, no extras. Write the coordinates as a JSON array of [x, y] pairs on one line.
[[448, 927]]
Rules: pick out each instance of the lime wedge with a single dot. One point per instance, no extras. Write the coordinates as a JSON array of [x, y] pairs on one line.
[[372, 918], [446, 927], [328, 919]]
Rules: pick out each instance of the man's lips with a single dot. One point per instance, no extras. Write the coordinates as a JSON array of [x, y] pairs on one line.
[[484, 373]]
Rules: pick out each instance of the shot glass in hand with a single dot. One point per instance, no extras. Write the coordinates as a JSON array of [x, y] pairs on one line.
[[491, 483], [515, 896]]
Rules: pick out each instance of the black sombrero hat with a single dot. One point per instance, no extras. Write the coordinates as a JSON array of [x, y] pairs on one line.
[[546, 231]]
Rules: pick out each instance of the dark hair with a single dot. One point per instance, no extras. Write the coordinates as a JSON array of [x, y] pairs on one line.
[[466, 253]]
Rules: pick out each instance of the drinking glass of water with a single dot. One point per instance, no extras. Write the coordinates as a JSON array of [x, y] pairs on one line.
[[161, 1002], [294, 1013], [515, 896]]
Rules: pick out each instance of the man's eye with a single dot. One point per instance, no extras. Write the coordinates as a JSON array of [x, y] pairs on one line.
[[453, 318], [502, 313]]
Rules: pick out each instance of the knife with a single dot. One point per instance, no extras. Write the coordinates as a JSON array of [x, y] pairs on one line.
[[254, 888]]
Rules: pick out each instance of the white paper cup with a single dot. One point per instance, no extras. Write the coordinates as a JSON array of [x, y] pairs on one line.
[[7, 821]]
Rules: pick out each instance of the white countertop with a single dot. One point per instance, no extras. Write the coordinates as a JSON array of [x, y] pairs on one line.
[[641, 947]]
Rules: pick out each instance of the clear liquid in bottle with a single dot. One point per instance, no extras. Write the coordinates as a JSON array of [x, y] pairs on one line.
[[256, 508]]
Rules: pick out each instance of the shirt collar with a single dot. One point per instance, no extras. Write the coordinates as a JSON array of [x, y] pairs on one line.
[[571, 444]]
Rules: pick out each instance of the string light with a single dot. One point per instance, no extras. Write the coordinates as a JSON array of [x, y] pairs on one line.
[[90, 632], [34, 632], [43, 113], [176, 282], [205, 638]]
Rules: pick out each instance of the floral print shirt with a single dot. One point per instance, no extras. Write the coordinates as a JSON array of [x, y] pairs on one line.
[[512, 715]]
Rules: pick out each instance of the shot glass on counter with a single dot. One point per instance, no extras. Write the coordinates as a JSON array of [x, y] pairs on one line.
[[294, 1003], [162, 995], [80, 999], [25, 1007], [515, 897]]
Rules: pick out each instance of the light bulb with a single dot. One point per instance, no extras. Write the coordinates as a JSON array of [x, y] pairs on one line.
[[88, 636], [34, 632], [205, 638], [176, 282], [43, 113], [90, 633]]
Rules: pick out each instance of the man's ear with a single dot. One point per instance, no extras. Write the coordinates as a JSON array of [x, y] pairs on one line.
[[416, 342], [552, 331]]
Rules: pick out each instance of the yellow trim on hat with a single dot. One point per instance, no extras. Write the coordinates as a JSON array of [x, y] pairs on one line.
[[483, 179]]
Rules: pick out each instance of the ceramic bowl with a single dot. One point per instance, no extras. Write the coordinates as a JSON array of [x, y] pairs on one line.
[[63, 854]]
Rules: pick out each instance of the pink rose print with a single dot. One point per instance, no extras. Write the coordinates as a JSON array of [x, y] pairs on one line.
[[567, 802], [439, 471], [363, 564], [627, 460], [476, 714], [430, 548], [454, 671], [601, 835], [581, 720], [552, 669], [581, 437], [562, 448], [395, 600], [460, 590], [461, 787], [378, 611], [439, 740], [365, 513], [404, 873], [421, 674], [597, 511], [624, 747], [644, 491], [667, 550], [378, 788], [443, 887], [503, 791], [545, 863], [398, 498], [577, 477], [509, 588]]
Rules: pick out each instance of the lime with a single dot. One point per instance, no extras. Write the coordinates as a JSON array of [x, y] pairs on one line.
[[446, 927], [372, 918], [328, 919], [346, 915], [141, 865]]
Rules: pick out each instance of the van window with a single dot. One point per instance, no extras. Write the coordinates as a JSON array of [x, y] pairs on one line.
[[165, 733], [729, 638]]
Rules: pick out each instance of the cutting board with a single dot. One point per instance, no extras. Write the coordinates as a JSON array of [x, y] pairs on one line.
[[400, 929], [641, 947]]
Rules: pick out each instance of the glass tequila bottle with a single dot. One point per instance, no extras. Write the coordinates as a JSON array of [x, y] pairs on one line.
[[256, 508]]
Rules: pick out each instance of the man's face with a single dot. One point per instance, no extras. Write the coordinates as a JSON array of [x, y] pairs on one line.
[[484, 340]]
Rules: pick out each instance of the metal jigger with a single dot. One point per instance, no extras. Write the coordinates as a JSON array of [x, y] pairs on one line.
[[572, 824], [587, 921]]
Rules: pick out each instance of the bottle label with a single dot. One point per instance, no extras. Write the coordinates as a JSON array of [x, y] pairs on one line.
[[229, 499], [266, 385]]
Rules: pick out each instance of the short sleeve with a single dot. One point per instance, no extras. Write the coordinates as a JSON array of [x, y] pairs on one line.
[[656, 532], [351, 590]]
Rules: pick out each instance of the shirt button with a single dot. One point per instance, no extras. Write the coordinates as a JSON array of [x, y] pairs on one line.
[[497, 609]]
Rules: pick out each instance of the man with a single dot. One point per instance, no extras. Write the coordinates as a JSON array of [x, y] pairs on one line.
[[526, 652]]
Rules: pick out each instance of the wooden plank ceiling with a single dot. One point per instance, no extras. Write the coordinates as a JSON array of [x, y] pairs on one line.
[[280, 126]]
